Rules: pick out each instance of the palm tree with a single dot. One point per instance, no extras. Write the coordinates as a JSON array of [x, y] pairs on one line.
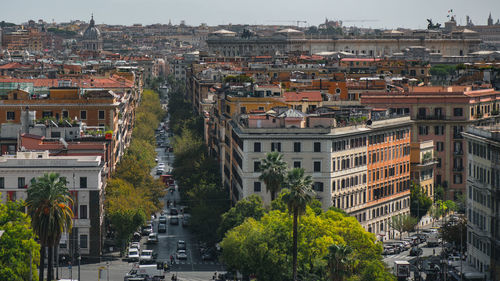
[[300, 195], [339, 261], [48, 204], [273, 170]]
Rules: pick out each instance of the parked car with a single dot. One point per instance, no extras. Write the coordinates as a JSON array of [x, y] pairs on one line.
[[181, 245], [162, 228], [160, 171], [412, 241], [146, 257], [146, 229], [133, 255], [136, 245], [174, 220], [416, 251], [152, 238], [388, 250], [181, 255], [174, 212]]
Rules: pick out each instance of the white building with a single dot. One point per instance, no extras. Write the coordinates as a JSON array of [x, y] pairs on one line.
[[84, 175], [341, 161], [483, 199]]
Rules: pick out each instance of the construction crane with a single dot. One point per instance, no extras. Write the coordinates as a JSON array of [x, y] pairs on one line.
[[297, 22]]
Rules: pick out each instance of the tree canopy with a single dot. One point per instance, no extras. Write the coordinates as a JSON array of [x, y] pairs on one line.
[[195, 171], [419, 201], [17, 244], [263, 247], [132, 194]]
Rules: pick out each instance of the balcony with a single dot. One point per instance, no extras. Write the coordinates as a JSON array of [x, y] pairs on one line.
[[458, 169], [431, 117], [458, 152], [458, 136]]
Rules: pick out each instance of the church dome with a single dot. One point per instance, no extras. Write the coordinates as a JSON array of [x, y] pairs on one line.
[[91, 33]]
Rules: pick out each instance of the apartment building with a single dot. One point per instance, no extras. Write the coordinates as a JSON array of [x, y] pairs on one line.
[[422, 165], [100, 110], [86, 183], [483, 199], [342, 158], [441, 114]]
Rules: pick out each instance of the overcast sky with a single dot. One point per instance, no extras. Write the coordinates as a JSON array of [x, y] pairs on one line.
[[382, 13]]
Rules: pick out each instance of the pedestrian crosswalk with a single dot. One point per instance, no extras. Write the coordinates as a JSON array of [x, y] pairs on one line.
[[401, 256]]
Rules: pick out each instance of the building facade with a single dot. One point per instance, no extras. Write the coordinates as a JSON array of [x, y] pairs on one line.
[[362, 169], [85, 181], [441, 114], [483, 199], [422, 164], [228, 44]]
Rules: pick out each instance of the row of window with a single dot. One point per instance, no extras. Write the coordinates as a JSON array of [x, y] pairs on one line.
[[479, 150], [478, 219], [317, 186], [389, 153], [389, 208], [387, 189], [388, 171], [439, 130], [348, 144], [21, 182], [348, 162], [276, 146], [479, 197], [388, 137], [348, 182], [438, 111], [11, 115], [349, 200], [479, 173]]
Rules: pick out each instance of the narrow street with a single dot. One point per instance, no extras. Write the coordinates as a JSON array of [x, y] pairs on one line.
[[193, 268]]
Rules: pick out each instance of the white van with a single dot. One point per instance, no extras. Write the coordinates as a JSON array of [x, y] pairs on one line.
[[145, 270]]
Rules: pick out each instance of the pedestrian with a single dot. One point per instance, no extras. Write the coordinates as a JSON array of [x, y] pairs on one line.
[[433, 252]]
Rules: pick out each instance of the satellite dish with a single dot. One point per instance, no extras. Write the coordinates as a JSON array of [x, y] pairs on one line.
[[369, 122]]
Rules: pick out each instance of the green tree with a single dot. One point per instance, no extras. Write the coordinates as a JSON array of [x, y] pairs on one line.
[[263, 247], [340, 262], [438, 193], [419, 201], [376, 271], [208, 202], [126, 208], [273, 171], [435, 212], [403, 223], [300, 195], [455, 232], [19, 252], [48, 205], [451, 206], [250, 207]]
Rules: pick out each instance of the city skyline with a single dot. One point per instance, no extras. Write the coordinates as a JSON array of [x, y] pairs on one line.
[[280, 12]]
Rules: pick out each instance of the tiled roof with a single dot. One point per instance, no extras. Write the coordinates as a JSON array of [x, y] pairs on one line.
[[302, 96]]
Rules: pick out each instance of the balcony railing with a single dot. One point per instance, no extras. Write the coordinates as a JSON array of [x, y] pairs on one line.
[[458, 169], [458, 152], [458, 135]]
